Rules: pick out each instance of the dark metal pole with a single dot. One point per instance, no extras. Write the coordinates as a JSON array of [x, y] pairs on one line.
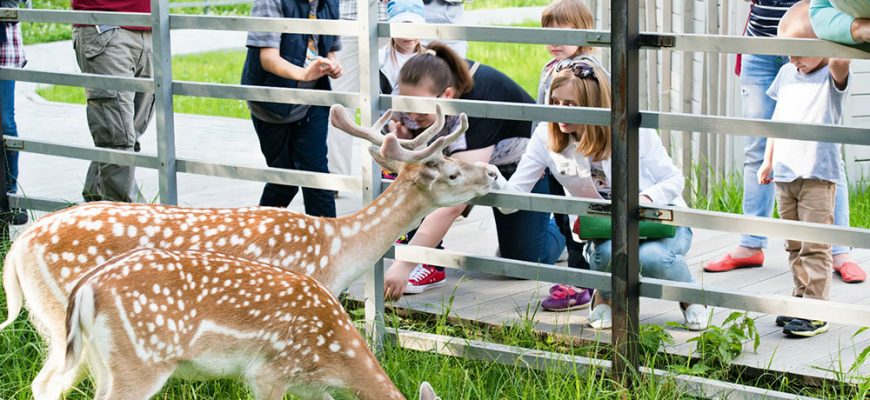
[[5, 210], [625, 121]]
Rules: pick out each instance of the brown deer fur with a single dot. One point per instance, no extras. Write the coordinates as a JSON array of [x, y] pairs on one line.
[[47, 259], [149, 314]]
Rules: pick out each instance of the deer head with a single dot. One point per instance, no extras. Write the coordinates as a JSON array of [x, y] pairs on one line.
[[446, 181], [151, 314]]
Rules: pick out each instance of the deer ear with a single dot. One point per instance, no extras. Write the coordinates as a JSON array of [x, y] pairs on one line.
[[392, 165], [427, 393]]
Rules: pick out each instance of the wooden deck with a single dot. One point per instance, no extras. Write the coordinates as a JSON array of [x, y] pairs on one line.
[[476, 296]]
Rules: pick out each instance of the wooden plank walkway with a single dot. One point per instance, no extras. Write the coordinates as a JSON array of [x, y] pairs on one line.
[[475, 296]]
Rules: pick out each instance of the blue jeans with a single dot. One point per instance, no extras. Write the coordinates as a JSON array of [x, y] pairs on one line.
[[659, 258], [7, 109], [528, 235], [757, 74], [299, 145]]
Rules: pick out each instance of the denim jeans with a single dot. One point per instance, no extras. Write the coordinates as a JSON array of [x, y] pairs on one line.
[[7, 109], [659, 258], [528, 235], [757, 74], [300, 145]]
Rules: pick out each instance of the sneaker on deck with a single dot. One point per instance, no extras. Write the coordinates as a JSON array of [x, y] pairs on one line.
[[566, 298], [423, 278], [800, 327]]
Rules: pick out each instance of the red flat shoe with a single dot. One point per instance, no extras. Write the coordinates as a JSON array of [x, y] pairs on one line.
[[851, 272], [727, 263]]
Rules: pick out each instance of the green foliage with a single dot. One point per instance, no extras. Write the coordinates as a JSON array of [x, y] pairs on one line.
[[652, 338], [718, 346], [489, 4]]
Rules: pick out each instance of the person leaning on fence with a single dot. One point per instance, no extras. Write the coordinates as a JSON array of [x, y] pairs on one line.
[[578, 157], [808, 90], [293, 136], [526, 235], [757, 72], [566, 14], [844, 21], [11, 56], [116, 118]]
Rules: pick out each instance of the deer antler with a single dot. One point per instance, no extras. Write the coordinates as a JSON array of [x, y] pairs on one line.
[[391, 148], [340, 119]]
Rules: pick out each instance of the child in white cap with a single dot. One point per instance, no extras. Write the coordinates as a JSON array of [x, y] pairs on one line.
[[394, 55]]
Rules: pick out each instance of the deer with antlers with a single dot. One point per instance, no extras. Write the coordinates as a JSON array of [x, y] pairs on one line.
[[46, 260], [151, 314]]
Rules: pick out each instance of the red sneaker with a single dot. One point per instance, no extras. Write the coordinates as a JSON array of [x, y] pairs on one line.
[[850, 272], [423, 278], [727, 263]]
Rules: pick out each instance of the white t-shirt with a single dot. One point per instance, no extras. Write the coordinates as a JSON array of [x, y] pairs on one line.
[[391, 63], [809, 98]]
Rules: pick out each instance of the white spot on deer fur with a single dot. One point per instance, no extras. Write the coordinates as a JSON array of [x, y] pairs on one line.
[[235, 240], [323, 261], [100, 238], [351, 353], [158, 320], [246, 232], [92, 250], [153, 307], [137, 307], [118, 230], [132, 231], [371, 210], [334, 347], [67, 256], [55, 239], [82, 258], [156, 288], [65, 272], [167, 232]]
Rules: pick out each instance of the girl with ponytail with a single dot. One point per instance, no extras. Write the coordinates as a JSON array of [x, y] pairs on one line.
[[525, 235]]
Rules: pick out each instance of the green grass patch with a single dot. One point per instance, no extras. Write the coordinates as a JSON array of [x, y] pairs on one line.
[[490, 4], [521, 62]]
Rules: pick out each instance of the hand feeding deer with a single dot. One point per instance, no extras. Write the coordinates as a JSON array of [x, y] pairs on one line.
[[46, 261], [151, 314]]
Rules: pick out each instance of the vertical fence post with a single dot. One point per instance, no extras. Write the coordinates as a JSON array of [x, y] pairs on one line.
[[625, 121], [162, 62], [5, 210], [367, 19]]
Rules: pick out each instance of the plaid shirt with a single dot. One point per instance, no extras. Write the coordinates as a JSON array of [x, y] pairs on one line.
[[12, 50], [347, 9]]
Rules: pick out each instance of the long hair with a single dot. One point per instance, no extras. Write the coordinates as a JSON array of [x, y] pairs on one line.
[[444, 69], [594, 91], [572, 13]]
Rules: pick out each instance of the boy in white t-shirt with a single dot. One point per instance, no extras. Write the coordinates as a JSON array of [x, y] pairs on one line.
[[811, 90]]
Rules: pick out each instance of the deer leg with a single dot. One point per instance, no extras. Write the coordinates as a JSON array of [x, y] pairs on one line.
[[266, 386], [143, 385], [52, 382]]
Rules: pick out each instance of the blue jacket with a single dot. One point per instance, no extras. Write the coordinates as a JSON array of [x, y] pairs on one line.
[[293, 48]]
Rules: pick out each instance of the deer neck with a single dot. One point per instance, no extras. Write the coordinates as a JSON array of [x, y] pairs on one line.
[[367, 234]]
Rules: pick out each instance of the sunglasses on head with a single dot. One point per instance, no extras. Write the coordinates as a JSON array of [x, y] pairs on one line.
[[580, 68]]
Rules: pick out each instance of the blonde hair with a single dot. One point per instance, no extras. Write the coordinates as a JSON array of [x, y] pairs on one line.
[[393, 50], [573, 13], [593, 91]]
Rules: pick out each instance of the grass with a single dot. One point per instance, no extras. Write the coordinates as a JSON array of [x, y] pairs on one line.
[[34, 33], [521, 62]]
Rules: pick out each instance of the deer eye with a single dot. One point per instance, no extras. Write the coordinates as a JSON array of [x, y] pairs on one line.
[[453, 176]]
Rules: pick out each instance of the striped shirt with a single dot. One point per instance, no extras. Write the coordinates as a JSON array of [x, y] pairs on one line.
[[764, 16]]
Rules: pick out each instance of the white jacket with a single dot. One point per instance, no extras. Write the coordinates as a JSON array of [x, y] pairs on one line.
[[659, 179]]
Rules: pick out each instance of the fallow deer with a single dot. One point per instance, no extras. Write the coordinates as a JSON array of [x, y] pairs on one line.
[[49, 257], [151, 314]]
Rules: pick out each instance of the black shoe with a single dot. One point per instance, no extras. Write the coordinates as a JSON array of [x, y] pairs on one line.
[[782, 320], [14, 217], [800, 327]]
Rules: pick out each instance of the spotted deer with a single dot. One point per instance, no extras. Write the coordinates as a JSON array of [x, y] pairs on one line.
[[151, 314], [47, 259]]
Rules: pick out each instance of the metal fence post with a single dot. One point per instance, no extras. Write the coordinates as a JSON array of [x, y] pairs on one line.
[[5, 210], [162, 62], [625, 121], [367, 19]]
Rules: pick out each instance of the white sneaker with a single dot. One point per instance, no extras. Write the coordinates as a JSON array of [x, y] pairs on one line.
[[697, 317], [601, 317]]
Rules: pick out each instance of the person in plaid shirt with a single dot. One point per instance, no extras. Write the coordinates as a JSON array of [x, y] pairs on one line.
[[11, 56]]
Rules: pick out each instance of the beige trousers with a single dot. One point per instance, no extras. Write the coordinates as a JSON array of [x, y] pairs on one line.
[[808, 200]]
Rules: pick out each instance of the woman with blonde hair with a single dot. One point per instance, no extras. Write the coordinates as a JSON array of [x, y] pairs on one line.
[[579, 155]]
